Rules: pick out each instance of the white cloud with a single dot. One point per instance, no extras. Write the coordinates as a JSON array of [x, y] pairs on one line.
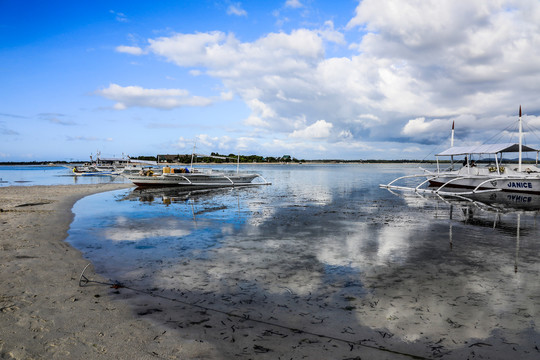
[[227, 95], [422, 130], [293, 4], [256, 121], [225, 56], [318, 130], [136, 96], [328, 33], [120, 17], [133, 50], [206, 140], [417, 126], [87, 138], [236, 9]]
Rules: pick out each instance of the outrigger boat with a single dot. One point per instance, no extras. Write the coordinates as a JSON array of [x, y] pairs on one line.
[[194, 177], [476, 178], [101, 166]]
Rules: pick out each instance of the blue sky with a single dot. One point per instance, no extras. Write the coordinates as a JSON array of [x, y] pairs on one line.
[[312, 79]]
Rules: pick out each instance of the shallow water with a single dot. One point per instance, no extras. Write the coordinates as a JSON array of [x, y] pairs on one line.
[[28, 175], [325, 250]]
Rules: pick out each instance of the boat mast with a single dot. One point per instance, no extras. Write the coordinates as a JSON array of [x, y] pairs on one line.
[[192, 155], [452, 145], [520, 138]]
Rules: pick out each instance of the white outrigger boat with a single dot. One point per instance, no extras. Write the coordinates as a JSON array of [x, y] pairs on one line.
[[101, 166], [479, 178], [194, 177]]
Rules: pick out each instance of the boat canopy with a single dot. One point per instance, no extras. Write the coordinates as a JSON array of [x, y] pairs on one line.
[[145, 162], [485, 149]]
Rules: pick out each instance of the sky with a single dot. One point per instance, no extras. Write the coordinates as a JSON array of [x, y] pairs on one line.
[[312, 79]]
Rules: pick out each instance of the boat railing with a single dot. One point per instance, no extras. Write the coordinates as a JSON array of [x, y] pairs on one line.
[[439, 191], [232, 183], [452, 180], [401, 178], [228, 178], [185, 178]]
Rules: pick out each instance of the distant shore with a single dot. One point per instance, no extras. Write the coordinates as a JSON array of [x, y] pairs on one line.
[[43, 311], [57, 163]]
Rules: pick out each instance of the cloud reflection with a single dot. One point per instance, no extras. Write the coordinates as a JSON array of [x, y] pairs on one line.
[[126, 229], [421, 271]]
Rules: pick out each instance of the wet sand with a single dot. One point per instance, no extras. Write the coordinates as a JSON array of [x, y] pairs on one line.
[[43, 311]]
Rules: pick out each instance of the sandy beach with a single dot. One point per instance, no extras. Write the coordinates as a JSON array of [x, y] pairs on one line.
[[43, 311]]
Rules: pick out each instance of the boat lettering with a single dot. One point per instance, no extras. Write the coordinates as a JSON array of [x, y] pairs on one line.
[[519, 198], [519, 185]]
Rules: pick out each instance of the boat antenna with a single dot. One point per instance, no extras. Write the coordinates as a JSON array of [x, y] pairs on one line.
[[520, 139], [238, 164]]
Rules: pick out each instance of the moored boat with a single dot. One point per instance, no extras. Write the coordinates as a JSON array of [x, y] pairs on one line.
[[101, 166], [488, 176], [195, 178], [199, 178]]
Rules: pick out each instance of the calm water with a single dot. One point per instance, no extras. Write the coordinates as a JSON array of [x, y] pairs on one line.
[[25, 175], [325, 249]]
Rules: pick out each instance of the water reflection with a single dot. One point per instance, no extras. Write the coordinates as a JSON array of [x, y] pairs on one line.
[[421, 275]]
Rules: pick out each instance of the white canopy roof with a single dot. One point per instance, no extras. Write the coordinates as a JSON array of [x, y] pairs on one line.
[[485, 149], [148, 162]]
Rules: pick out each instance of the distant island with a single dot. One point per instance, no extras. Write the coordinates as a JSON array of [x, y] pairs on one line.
[[216, 158]]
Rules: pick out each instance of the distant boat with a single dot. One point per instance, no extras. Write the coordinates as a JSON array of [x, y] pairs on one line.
[[110, 166], [477, 178]]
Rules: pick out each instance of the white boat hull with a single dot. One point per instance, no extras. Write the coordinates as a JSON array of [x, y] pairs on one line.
[[192, 180], [526, 185]]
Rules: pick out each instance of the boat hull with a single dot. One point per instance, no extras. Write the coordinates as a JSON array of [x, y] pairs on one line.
[[193, 180], [527, 185]]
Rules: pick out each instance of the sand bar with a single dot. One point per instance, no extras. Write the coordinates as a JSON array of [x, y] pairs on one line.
[[43, 311]]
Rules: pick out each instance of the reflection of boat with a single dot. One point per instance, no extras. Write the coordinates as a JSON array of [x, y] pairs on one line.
[[169, 195], [508, 201], [491, 177], [497, 211]]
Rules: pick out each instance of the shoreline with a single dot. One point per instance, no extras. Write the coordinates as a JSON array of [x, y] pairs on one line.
[[43, 311]]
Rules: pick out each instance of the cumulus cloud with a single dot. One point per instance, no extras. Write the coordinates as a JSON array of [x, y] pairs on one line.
[[318, 130], [328, 33], [136, 96], [411, 68]]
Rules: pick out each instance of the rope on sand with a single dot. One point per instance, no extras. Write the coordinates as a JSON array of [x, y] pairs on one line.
[[84, 281]]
